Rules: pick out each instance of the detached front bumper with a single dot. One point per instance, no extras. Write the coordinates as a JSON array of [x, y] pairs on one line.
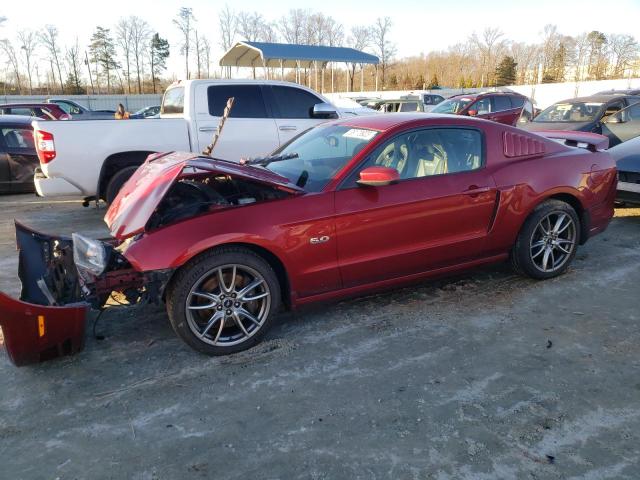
[[49, 319], [35, 333]]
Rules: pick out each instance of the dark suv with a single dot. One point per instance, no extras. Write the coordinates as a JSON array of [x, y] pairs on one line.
[[502, 107]]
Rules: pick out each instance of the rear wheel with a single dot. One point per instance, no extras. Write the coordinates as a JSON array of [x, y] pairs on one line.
[[223, 301], [117, 182], [548, 241]]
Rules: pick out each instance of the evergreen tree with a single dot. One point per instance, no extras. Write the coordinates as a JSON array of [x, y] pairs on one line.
[[506, 72], [158, 54], [103, 52], [433, 83]]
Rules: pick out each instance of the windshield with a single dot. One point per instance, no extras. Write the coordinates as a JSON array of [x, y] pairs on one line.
[[570, 112], [453, 105], [321, 153]]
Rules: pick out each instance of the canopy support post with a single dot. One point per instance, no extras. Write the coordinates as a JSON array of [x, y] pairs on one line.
[[362, 77]]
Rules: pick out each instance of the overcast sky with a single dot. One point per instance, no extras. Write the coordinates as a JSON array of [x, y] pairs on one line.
[[419, 26]]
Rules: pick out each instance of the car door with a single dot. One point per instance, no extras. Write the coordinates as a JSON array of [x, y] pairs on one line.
[[293, 109], [623, 125], [250, 129], [437, 214], [20, 156], [503, 111]]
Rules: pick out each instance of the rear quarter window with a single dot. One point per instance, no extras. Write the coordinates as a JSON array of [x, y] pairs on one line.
[[173, 101]]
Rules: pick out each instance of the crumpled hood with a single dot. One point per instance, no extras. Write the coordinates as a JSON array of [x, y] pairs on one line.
[[140, 196]]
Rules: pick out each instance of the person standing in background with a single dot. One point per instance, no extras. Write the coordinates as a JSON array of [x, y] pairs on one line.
[[121, 113]]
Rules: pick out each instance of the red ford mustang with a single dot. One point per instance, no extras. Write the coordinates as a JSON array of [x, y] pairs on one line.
[[348, 207]]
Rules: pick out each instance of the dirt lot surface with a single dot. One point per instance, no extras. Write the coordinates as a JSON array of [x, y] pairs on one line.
[[486, 376]]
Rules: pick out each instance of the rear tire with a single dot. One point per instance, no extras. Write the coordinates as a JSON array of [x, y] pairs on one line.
[[223, 301], [117, 182], [548, 241]]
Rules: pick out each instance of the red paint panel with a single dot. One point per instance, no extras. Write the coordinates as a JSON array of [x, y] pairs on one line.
[[34, 333]]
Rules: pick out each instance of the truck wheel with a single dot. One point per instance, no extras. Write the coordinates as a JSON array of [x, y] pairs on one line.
[[223, 301], [547, 241], [117, 182]]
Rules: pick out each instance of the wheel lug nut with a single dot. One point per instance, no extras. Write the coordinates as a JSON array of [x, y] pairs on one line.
[[233, 295], [237, 304], [228, 312], [219, 307]]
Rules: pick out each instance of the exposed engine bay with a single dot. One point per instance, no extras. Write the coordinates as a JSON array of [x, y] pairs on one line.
[[195, 195]]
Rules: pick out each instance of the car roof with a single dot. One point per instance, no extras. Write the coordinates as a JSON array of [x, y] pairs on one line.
[[16, 120], [595, 99], [12, 105], [390, 120], [484, 94]]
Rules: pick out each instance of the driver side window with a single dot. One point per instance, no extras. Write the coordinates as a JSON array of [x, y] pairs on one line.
[[425, 153], [482, 106]]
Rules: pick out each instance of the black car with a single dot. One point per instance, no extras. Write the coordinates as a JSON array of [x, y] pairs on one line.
[[627, 157], [18, 158], [584, 114]]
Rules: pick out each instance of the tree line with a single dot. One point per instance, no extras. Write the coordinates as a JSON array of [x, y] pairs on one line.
[[131, 56]]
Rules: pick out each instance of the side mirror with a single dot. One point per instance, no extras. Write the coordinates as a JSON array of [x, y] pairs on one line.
[[472, 113], [378, 176], [324, 110]]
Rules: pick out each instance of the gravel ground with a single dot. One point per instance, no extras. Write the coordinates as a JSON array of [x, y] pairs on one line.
[[483, 376]]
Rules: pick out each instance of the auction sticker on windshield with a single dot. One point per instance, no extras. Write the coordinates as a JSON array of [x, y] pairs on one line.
[[359, 133]]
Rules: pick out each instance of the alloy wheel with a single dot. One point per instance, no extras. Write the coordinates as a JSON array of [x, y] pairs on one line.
[[228, 305], [553, 241]]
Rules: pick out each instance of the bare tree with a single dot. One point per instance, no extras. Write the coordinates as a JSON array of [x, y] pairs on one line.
[[74, 63], [623, 50], [293, 25], [12, 59], [140, 35], [228, 24], [490, 46], [384, 47], [250, 26], [28, 43], [184, 21], [124, 41], [49, 39], [206, 53], [359, 39], [198, 45]]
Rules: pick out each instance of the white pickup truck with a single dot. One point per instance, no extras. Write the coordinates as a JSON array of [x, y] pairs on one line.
[[94, 158]]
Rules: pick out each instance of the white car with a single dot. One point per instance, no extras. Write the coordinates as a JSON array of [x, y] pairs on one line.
[[93, 159]]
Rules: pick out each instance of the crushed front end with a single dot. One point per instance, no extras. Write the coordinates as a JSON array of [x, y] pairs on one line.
[[62, 279]]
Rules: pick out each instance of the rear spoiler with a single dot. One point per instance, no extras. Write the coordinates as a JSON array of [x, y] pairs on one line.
[[591, 141]]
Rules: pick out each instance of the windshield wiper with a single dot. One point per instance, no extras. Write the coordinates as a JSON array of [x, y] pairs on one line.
[[264, 161]]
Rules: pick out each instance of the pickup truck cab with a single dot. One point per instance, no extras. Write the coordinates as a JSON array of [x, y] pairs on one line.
[[93, 159]]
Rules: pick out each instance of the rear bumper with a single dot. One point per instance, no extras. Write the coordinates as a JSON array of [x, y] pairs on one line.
[[35, 328], [53, 186]]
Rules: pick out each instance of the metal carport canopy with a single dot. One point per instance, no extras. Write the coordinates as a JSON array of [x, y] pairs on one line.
[[287, 55]]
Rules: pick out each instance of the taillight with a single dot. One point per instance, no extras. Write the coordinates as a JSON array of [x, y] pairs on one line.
[[45, 147]]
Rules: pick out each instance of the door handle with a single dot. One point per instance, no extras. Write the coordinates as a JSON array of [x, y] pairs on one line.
[[474, 190], [207, 129], [288, 128]]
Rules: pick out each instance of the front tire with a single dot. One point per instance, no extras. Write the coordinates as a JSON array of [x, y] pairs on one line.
[[223, 301], [548, 241], [117, 182]]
